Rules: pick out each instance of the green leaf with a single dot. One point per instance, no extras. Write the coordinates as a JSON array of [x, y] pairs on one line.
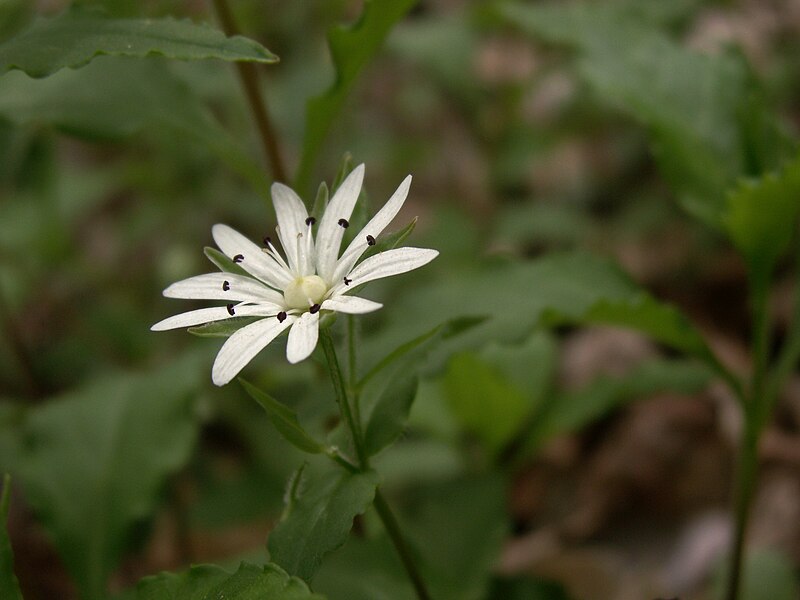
[[527, 588], [767, 573], [458, 528], [494, 392], [663, 323], [570, 411], [389, 415], [113, 98], [351, 49], [284, 419], [208, 582], [9, 586], [75, 37], [695, 106], [389, 388], [95, 461], [762, 217], [515, 297], [319, 519]]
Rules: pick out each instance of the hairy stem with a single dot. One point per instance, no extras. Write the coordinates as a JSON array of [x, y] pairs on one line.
[[249, 80]]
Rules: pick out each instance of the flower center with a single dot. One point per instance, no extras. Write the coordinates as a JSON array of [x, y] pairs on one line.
[[304, 292]]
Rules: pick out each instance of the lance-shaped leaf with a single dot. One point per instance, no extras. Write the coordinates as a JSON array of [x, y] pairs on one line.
[[208, 582], [351, 49], [318, 519], [94, 463], [75, 37], [9, 586], [284, 419]]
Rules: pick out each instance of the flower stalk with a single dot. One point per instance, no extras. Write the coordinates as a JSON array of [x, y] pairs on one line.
[[354, 426]]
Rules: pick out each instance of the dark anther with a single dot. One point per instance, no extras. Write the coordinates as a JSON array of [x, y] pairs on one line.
[[281, 316], [314, 309], [231, 312], [370, 240], [347, 281], [310, 221], [225, 286], [344, 223], [267, 240], [238, 258]]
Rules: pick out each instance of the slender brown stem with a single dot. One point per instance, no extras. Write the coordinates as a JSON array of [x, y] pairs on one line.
[[249, 79]]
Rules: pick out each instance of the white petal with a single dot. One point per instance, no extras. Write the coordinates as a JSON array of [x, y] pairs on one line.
[[303, 337], [255, 261], [374, 228], [330, 233], [242, 346], [386, 264], [209, 315], [351, 304], [223, 286], [292, 215]]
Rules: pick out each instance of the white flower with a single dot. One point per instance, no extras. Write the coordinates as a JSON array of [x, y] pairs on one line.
[[292, 292]]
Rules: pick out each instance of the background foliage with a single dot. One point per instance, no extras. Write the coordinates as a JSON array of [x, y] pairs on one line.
[[583, 168]]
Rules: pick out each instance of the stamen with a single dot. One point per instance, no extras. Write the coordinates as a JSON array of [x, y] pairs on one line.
[[314, 309], [238, 258], [267, 240], [344, 223], [281, 316], [231, 312], [347, 281], [225, 286], [310, 221], [370, 240]]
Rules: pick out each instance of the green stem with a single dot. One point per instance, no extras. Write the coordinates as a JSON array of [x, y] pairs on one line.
[[754, 421], [393, 529], [382, 508], [249, 79], [341, 397]]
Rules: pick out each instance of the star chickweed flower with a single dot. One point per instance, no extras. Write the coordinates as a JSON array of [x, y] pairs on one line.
[[292, 292]]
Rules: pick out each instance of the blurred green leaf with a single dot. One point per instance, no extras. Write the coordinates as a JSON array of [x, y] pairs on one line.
[[388, 389], [483, 400], [492, 393], [319, 519], [365, 569], [515, 297], [75, 37], [662, 322], [762, 217], [284, 419], [693, 104], [389, 415], [14, 15], [113, 98], [351, 49], [9, 586], [572, 410], [458, 528], [766, 574], [95, 461], [208, 582]]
